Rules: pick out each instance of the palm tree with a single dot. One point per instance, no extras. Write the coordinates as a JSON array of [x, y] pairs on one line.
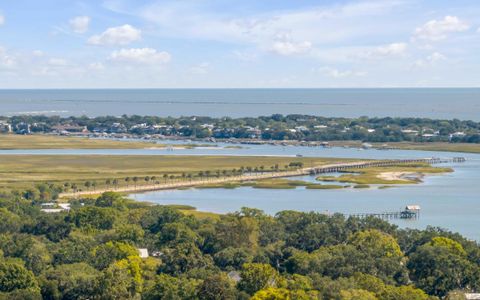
[[115, 183], [94, 184], [135, 179], [127, 179], [165, 176], [87, 184]]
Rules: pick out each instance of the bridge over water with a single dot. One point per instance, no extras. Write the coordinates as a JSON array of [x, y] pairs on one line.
[[378, 163]]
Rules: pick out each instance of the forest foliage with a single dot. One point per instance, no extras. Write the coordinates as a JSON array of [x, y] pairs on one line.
[[91, 252]]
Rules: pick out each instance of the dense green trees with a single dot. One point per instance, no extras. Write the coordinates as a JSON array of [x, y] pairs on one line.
[[14, 276], [92, 252], [274, 127], [441, 266]]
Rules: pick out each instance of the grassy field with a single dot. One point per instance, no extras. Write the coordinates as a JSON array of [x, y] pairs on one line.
[[26, 170], [449, 147], [374, 175], [272, 184], [15, 141], [440, 146], [190, 210]]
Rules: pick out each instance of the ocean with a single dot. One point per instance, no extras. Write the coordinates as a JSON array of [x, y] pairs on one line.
[[439, 103]]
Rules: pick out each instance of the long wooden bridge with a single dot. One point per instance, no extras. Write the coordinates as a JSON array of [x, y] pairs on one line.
[[268, 175], [379, 163]]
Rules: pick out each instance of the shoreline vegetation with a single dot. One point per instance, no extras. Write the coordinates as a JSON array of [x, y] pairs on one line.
[[278, 183], [50, 141], [383, 133], [45, 142], [392, 175], [419, 146], [401, 174], [81, 175], [108, 246], [97, 172]]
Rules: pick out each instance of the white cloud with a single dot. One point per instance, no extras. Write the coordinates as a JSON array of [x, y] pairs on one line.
[[306, 26], [6, 60], [284, 46], [436, 30], [57, 62], [380, 52], [200, 69], [335, 73], [96, 66], [141, 55], [38, 53], [430, 60], [79, 24], [2, 20], [121, 35], [246, 56], [436, 57], [391, 49]]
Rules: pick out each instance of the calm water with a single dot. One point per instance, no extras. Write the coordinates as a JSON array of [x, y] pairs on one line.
[[450, 200], [433, 103]]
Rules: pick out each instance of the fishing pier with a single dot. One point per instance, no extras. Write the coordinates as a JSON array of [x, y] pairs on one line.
[[410, 212]]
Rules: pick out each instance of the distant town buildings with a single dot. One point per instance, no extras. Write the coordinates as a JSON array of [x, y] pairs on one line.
[[276, 127]]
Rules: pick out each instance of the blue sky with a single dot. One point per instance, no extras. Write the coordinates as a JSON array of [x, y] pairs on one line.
[[246, 44]]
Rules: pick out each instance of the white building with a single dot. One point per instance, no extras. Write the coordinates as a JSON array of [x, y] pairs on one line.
[[143, 252]]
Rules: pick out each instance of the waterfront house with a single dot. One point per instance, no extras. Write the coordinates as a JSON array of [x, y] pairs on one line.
[[143, 252], [67, 129], [5, 127]]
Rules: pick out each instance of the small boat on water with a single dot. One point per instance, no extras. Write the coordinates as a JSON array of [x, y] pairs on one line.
[[299, 155]]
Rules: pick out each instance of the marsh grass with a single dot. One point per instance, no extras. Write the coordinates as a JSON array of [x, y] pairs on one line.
[[24, 171], [372, 175], [361, 186], [16, 141]]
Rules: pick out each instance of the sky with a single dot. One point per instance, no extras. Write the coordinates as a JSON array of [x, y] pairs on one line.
[[239, 44]]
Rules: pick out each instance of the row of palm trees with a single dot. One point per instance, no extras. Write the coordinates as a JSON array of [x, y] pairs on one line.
[[165, 178]]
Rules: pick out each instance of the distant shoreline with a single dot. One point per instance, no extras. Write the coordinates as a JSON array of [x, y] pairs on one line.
[[55, 141]]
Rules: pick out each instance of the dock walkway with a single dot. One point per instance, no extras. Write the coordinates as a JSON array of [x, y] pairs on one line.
[[258, 176]]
